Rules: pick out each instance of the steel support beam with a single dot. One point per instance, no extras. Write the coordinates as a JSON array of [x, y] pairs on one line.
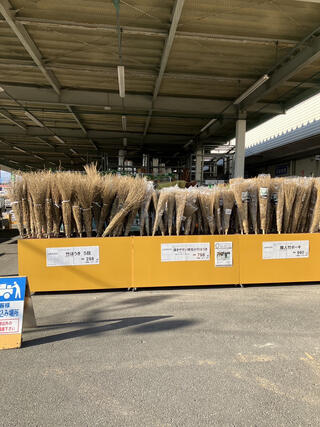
[[34, 131], [132, 72], [239, 156], [84, 130], [10, 118], [9, 15], [151, 32], [176, 14], [300, 57], [86, 98]]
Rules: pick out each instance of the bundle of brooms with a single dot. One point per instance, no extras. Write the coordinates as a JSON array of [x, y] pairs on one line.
[[74, 204]]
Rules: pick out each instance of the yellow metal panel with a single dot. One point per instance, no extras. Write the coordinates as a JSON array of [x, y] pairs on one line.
[[254, 269], [10, 341], [114, 270], [148, 270]]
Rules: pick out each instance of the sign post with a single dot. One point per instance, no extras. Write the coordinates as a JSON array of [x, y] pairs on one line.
[[16, 310]]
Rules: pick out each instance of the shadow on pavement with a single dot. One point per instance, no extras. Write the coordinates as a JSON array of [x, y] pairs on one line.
[[6, 235], [112, 325]]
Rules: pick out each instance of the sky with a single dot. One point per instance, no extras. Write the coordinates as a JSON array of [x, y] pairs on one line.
[[4, 177]]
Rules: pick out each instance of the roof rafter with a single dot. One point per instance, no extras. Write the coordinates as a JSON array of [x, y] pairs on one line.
[[175, 18], [302, 55], [9, 15], [84, 130]]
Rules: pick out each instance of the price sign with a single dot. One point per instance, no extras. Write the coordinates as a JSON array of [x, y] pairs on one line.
[[82, 255]]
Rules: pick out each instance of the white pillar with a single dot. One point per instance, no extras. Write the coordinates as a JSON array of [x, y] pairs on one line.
[[240, 149], [199, 165]]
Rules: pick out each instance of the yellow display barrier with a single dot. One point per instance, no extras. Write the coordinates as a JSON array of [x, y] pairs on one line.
[[149, 270], [126, 262], [255, 269], [113, 271]]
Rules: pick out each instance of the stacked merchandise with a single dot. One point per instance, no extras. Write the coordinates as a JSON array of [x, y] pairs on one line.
[[72, 204]]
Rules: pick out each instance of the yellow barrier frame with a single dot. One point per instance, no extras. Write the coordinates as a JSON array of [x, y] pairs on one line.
[[127, 262]]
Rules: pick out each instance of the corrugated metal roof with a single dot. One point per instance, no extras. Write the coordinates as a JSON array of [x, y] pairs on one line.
[[305, 131]]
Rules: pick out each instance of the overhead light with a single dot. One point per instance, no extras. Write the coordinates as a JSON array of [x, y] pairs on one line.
[[122, 88], [107, 107], [1, 89], [73, 151], [124, 123], [34, 119], [252, 88], [19, 149], [188, 143], [12, 161], [208, 124], [38, 157], [125, 142], [59, 139]]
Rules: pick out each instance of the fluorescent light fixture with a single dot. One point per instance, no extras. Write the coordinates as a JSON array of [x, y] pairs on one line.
[[34, 119], [107, 107], [124, 123], [207, 125], [2, 90], [122, 87], [38, 157], [19, 149], [125, 142], [73, 151], [252, 88], [59, 139]]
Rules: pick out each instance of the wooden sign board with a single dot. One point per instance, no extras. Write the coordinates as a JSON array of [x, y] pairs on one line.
[[16, 311]]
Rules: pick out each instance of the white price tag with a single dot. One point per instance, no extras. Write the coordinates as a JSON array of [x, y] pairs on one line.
[[223, 254], [82, 255], [185, 252], [285, 249]]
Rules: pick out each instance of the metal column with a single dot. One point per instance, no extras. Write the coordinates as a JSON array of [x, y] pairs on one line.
[[240, 148]]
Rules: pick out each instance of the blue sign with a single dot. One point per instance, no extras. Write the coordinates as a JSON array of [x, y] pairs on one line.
[[12, 289], [281, 170]]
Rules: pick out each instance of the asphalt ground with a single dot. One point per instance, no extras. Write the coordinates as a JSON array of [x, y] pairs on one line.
[[166, 357]]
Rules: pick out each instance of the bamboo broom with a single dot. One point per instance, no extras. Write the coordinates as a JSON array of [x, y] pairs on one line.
[[217, 209], [307, 206], [64, 183], [25, 209], [37, 187], [301, 193], [253, 205], [161, 206], [172, 204], [136, 195], [75, 203], [16, 193], [264, 200], [180, 200], [228, 203], [108, 192], [56, 209], [290, 190], [48, 206], [95, 177], [190, 209], [144, 212], [314, 225]]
